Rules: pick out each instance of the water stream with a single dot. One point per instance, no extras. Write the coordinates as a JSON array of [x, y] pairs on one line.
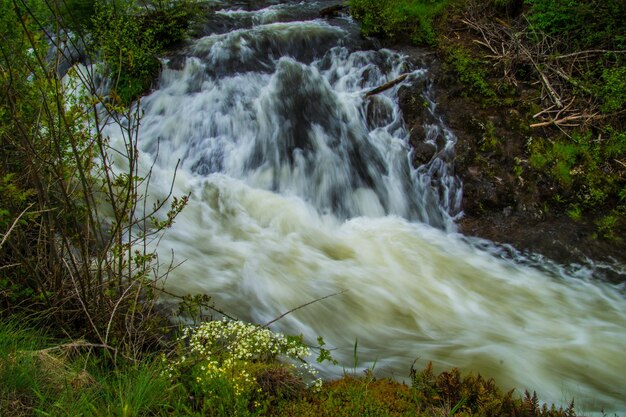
[[301, 187]]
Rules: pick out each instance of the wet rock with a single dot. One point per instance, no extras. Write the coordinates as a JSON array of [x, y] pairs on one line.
[[379, 112], [417, 115], [423, 152], [334, 11]]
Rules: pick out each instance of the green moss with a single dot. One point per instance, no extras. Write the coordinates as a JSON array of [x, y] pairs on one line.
[[587, 170], [489, 141], [471, 71]]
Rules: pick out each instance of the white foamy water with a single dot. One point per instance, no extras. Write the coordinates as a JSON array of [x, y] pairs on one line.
[[302, 188]]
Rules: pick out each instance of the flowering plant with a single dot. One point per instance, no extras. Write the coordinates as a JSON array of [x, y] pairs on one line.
[[224, 359]]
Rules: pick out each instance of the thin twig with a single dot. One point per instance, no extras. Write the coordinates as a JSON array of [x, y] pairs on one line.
[[121, 298], [78, 344], [302, 306], [82, 303], [171, 294], [17, 219]]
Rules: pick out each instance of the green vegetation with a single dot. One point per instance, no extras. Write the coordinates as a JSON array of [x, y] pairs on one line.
[[234, 367], [580, 165], [581, 24], [403, 20], [43, 376], [471, 71], [62, 259], [131, 38], [130, 52], [428, 395]]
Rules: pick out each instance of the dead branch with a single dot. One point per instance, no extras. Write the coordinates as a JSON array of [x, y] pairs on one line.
[[548, 110], [563, 121], [546, 83], [386, 86], [302, 306], [572, 81], [588, 52]]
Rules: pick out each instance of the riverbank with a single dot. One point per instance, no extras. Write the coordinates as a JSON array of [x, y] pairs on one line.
[[40, 375], [531, 184]]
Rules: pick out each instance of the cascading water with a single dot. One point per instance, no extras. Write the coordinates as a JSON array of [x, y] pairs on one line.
[[302, 187]]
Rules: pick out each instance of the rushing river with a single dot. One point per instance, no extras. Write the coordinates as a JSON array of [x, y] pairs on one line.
[[302, 187]]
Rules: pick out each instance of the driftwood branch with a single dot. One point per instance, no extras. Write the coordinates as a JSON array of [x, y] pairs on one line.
[[556, 99], [386, 86], [563, 120], [572, 81]]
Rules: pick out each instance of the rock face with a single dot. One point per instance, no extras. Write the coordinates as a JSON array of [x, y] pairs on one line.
[[504, 199]]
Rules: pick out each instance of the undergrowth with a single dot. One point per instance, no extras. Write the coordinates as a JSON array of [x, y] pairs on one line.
[[225, 369]]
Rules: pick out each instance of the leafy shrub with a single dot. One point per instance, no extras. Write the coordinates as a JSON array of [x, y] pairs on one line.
[[60, 255], [129, 51], [130, 40], [583, 23]]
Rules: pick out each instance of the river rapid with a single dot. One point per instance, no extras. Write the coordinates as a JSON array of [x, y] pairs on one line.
[[301, 187]]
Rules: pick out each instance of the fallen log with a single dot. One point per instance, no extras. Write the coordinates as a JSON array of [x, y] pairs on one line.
[[386, 86]]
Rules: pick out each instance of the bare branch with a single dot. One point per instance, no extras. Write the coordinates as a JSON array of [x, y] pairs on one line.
[[302, 306], [17, 219], [564, 121], [588, 52]]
